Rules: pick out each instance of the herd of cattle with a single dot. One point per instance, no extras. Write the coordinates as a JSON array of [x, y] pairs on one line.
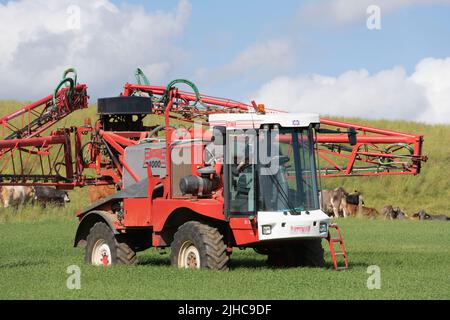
[[336, 203], [19, 195], [339, 203]]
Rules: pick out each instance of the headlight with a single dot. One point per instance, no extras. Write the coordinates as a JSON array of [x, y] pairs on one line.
[[266, 230], [323, 227]]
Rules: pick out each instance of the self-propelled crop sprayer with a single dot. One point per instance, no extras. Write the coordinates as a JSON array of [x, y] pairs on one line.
[[199, 174]]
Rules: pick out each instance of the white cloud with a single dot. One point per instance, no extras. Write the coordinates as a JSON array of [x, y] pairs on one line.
[[339, 12], [36, 45], [392, 94], [262, 59], [433, 76]]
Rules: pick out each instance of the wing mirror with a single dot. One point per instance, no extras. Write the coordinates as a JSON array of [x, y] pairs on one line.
[[352, 136]]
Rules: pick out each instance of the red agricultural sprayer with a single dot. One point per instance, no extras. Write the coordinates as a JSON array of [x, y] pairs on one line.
[[196, 173]]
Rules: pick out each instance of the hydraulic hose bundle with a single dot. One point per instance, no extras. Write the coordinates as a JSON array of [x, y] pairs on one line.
[[68, 82]]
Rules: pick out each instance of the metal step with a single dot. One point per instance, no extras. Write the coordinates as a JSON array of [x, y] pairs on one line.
[[341, 251]]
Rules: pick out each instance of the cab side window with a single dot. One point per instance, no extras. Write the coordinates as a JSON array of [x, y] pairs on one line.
[[241, 172]]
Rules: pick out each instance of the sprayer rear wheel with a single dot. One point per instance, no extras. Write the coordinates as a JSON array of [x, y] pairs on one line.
[[104, 249]]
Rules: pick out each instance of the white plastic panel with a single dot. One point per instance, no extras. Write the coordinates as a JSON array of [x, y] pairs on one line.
[[287, 226]]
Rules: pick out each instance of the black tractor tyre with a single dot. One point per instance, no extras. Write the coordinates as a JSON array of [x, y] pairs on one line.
[[103, 248], [277, 259], [303, 253], [261, 250], [283, 257], [311, 253], [196, 245]]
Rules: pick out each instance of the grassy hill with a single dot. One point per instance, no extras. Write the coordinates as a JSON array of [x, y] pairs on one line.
[[430, 190]]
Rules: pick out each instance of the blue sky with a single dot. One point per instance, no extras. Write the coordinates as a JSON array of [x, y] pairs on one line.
[[407, 35], [218, 30], [297, 55]]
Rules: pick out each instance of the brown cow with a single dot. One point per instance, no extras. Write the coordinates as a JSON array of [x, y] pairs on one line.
[[334, 202], [325, 201], [15, 196], [389, 212], [354, 210], [368, 212], [99, 192]]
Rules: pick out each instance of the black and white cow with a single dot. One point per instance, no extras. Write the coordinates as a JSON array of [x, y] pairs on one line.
[[45, 195], [389, 212], [422, 215]]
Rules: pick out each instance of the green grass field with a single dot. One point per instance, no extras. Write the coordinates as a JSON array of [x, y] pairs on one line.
[[414, 258]]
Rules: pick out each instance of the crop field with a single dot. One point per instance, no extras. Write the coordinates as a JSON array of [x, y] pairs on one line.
[[413, 256]]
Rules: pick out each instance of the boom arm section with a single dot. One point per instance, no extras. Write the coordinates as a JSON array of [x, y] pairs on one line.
[[32, 120], [377, 152], [27, 155]]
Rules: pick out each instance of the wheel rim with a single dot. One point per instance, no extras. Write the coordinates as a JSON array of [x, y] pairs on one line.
[[101, 254], [189, 257]]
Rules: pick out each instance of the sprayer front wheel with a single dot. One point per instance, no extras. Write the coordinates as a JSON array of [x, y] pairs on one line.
[[303, 253]]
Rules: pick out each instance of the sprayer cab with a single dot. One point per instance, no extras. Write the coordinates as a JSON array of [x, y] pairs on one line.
[[270, 172]]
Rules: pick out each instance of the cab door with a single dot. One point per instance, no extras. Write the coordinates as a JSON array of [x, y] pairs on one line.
[[240, 174]]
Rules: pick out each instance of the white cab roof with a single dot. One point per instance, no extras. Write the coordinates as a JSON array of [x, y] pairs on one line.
[[254, 120]]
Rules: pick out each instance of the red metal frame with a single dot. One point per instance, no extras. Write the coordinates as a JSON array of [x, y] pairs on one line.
[[28, 157], [32, 120], [378, 152], [375, 154], [31, 159]]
